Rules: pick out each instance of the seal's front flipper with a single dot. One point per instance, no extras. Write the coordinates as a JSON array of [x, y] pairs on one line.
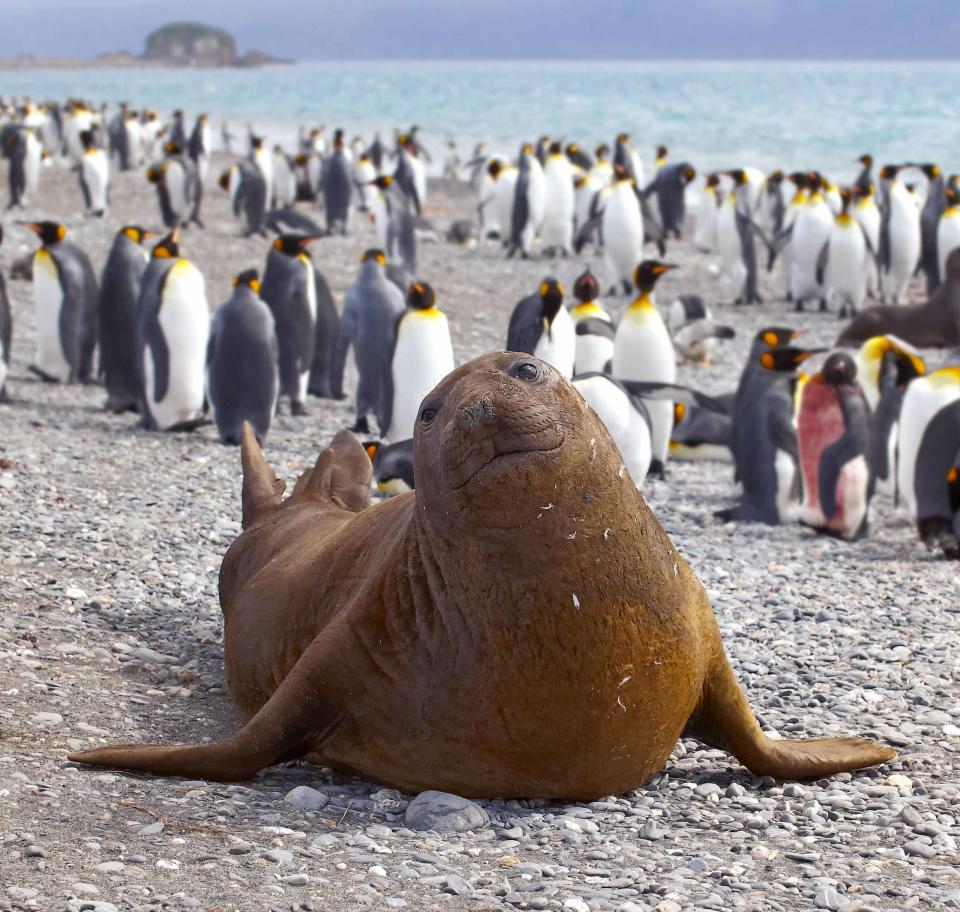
[[293, 722], [724, 719]]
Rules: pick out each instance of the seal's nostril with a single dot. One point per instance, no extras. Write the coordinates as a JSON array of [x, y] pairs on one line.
[[479, 412]]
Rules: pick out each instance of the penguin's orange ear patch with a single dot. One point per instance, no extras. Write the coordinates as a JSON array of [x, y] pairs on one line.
[[544, 288], [952, 475], [679, 411], [371, 446], [767, 360], [61, 232], [771, 338]]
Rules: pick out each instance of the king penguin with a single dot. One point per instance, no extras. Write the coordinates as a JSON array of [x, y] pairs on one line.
[[556, 233], [65, 301], [900, 238], [933, 207], [948, 230], [337, 186], [593, 326], [94, 176], [371, 310], [119, 292], [173, 323], [242, 356], [642, 350], [833, 439], [243, 180], [694, 330], [289, 290], [6, 333], [422, 357], [529, 203], [541, 326]]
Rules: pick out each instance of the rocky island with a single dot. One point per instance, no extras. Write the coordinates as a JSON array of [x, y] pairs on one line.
[[179, 44]]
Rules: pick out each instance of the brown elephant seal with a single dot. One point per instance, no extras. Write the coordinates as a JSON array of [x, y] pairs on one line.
[[519, 625], [935, 324]]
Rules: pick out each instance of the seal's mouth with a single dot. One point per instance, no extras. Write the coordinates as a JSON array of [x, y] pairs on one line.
[[497, 450]]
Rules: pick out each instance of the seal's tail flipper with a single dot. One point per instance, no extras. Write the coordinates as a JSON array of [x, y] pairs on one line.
[[295, 720], [261, 489], [342, 475], [725, 720]]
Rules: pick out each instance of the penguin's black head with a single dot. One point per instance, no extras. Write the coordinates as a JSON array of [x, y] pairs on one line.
[[374, 255], [256, 142], [839, 368], [602, 151], [648, 273], [953, 196], [136, 234], [224, 179], [420, 296], [798, 179], [586, 288], [173, 148], [50, 233], [572, 149], [931, 171], [687, 174], [338, 139], [551, 298], [494, 167], [526, 149], [889, 172], [86, 139], [846, 197], [620, 173], [292, 245], [662, 151], [713, 180], [775, 178], [556, 148], [383, 181], [167, 248], [866, 160], [738, 175], [776, 336], [786, 359], [623, 138], [250, 278]]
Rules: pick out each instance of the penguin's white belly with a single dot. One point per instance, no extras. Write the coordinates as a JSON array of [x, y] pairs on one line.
[[729, 248], [419, 178], [422, 358], [810, 232], [558, 347], [704, 233], [184, 322], [643, 350], [134, 142], [557, 228], [3, 366], [625, 424], [96, 175], [622, 236], [846, 275], [489, 208], [904, 237], [48, 302], [948, 239], [593, 353], [312, 306], [854, 479], [583, 200], [31, 165], [785, 470], [264, 162], [923, 399], [381, 219], [176, 181], [503, 201], [284, 188]]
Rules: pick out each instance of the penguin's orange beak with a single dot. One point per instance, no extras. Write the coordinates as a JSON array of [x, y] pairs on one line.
[[308, 240], [175, 235], [33, 226]]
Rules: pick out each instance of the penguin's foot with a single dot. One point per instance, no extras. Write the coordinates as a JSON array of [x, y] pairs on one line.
[[798, 307], [361, 426], [297, 409], [119, 406], [936, 533], [657, 470], [187, 427], [43, 375], [823, 305]]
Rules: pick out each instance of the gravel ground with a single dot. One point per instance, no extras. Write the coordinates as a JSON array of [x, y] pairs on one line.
[[110, 630]]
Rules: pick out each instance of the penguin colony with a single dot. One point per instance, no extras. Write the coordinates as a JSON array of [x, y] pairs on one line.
[[804, 447]]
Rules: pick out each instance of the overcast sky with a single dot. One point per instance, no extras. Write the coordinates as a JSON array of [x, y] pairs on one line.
[[514, 29]]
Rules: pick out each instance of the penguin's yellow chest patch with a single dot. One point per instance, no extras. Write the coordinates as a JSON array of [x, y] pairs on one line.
[[951, 212], [429, 314], [181, 266], [946, 376], [844, 219], [589, 309], [641, 311], [43, 260]]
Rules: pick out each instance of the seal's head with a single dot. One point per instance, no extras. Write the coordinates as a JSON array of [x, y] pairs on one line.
[[500, 438]]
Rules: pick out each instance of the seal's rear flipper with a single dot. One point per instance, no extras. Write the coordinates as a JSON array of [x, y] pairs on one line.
[[294, 721], [342, 474], [261, 489], [724, 719]]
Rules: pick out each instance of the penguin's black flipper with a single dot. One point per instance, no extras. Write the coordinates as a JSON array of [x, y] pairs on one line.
[[822, 259], [853, 443], [160, 354], [526, 326], [594, 326], [586, 233], [939, 453], [777, 247]]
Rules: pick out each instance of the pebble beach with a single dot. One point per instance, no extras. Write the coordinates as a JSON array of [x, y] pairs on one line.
[[110, 631]]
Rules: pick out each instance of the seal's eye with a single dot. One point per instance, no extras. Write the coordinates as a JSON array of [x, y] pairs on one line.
[[427, 415], [527, 370]]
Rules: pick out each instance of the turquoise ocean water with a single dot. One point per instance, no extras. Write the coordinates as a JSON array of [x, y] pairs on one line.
[[717, 115]]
